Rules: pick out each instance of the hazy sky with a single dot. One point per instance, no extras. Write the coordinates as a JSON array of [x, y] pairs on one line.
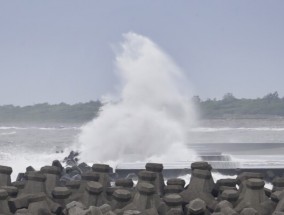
[[61, 51]]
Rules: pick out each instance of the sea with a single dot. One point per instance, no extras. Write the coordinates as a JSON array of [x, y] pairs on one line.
[[23, 145]]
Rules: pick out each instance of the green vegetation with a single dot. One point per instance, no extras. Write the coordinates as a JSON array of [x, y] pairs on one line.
[[269, 106], [46, 113]]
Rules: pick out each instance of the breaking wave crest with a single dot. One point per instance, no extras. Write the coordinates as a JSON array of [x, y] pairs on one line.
[[150, 119]]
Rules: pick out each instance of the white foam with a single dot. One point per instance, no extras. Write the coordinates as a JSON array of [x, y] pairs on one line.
[[8, 133], [37, 128], [216, 176], [150, 118], [20, 160], [221, 129]]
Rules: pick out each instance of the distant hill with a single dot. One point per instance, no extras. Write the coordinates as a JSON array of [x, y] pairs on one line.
[[228, 107], [46, 113], [269, 106]]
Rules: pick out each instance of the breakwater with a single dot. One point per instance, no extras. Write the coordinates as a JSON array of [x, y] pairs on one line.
[[96, 189]]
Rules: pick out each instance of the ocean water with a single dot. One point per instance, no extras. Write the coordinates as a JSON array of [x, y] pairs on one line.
[[37, 145]]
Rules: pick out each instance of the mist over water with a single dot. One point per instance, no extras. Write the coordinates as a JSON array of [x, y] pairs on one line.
[[152, 114]]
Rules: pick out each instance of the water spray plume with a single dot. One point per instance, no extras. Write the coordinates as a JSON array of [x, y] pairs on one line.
[[150, 119]]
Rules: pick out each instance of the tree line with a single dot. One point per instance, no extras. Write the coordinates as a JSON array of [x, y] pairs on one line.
[[271, 105], [49, 113]]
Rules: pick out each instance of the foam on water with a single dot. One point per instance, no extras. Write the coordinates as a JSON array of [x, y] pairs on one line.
[[20, 160], [37, 128], [216, 176], [8, 133], [26, 145], [150, 119], [221, 129]]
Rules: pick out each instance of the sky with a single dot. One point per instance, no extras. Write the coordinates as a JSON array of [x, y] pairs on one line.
[[63, 51]]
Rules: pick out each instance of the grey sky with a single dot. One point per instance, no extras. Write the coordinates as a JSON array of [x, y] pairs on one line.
[[60, 51]]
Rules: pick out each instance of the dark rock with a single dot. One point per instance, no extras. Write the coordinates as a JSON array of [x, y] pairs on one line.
[[268, 192], [71, 159], [57, 164], [84, 167], [21, 177]]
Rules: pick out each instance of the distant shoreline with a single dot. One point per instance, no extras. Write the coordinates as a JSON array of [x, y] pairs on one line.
[[268, 107]]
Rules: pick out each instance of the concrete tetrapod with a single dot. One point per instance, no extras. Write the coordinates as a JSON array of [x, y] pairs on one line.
[[173, 201], [148, 177], [103, 171], [4, 207], [38, 204], [200, 186], [196, 207], [60, 195], [121, 198], [157, 168], [124, 183], [253, 193], [93, 194], [225, 207], [52, 174], [278, 183], [5, 175], [174, 185], [35, 183], [145, 199]]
